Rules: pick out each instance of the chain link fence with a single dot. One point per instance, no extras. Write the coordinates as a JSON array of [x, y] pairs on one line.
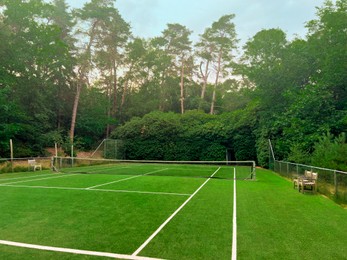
[[332, 183], [22, 164]]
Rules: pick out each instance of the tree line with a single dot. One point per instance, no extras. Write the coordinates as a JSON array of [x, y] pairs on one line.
[[79, 75]]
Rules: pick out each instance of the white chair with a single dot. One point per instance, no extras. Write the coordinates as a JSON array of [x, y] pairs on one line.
[[33, 165]]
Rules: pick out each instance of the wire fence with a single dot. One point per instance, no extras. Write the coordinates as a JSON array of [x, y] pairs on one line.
[[332, 183], [22, 164]]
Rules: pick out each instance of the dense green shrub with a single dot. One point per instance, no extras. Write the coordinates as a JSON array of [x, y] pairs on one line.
[[169, 136], [331, 152]]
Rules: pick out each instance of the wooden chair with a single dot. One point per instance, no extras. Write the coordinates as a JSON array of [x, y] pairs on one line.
[[308, 184], [297, 179], [33, 165]]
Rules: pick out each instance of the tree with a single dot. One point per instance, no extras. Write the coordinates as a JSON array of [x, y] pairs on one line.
[[175, 42], [221, 40], [34, 58], [328, 33], [204, 52], [105, 32], [64, 75], [263, 65]]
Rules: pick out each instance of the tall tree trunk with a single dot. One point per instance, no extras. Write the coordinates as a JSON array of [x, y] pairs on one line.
[[115, 86], [74, 111], [216, 83], [161, 92], [204, 85], [108, 127], [82, 80], [182, 87], [125, 88]]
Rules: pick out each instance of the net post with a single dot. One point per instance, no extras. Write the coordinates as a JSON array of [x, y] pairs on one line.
[[335, 183]]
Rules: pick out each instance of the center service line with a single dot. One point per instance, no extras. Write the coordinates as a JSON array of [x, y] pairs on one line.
[[171, 217]]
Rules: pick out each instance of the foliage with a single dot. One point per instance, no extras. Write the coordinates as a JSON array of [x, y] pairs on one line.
[[331, 152], [169, 136], [80, 72]]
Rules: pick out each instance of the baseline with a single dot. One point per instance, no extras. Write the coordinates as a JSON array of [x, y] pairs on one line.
[[125, 179], [74, 251], [171, 217], [101, 190]]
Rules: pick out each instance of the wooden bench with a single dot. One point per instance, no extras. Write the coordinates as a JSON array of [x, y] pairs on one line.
[[33, 165], [307, 182], [296, 180]]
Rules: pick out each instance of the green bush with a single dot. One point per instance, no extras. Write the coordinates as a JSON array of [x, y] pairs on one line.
[[331, 152]]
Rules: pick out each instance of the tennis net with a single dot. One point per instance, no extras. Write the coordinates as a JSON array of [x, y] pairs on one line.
[[244, 169]]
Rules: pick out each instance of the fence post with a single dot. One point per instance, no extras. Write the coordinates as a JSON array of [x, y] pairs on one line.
[[335, 183], [288, 169]]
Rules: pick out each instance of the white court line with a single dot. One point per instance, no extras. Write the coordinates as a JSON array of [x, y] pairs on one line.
[[171, 217], [103, 190], [75, 251], [132, 177], [26, 177], [65, 175], [145, 192], [234, 244]]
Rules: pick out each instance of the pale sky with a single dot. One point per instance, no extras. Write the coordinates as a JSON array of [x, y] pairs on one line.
[[148, 18]]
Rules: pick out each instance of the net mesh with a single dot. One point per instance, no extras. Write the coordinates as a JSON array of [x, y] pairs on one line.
[[244, 169]]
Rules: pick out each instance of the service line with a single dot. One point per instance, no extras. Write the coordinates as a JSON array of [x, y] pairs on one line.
[[125, 179], [96, 190]]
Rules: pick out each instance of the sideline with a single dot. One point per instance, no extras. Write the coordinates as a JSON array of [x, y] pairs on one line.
[[234, 243]]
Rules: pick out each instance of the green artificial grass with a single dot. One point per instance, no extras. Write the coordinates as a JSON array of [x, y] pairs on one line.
[[274, 220], [277, 222]]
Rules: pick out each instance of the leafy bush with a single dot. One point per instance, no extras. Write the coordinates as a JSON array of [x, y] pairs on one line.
[[331, 152], [169, 136]]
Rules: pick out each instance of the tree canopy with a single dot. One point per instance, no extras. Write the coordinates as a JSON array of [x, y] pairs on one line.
[[79, 75]]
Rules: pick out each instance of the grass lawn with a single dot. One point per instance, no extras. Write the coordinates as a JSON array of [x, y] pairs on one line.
[[117, 210], [277, 222]]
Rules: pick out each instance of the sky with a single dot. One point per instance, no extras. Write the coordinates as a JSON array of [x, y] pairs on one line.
[[148, 18]]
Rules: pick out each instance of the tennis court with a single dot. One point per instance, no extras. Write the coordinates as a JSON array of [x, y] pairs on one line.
[[164, 211]]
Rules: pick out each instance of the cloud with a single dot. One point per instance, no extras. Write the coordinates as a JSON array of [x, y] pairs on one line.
[[141, 14], [148, 18]]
